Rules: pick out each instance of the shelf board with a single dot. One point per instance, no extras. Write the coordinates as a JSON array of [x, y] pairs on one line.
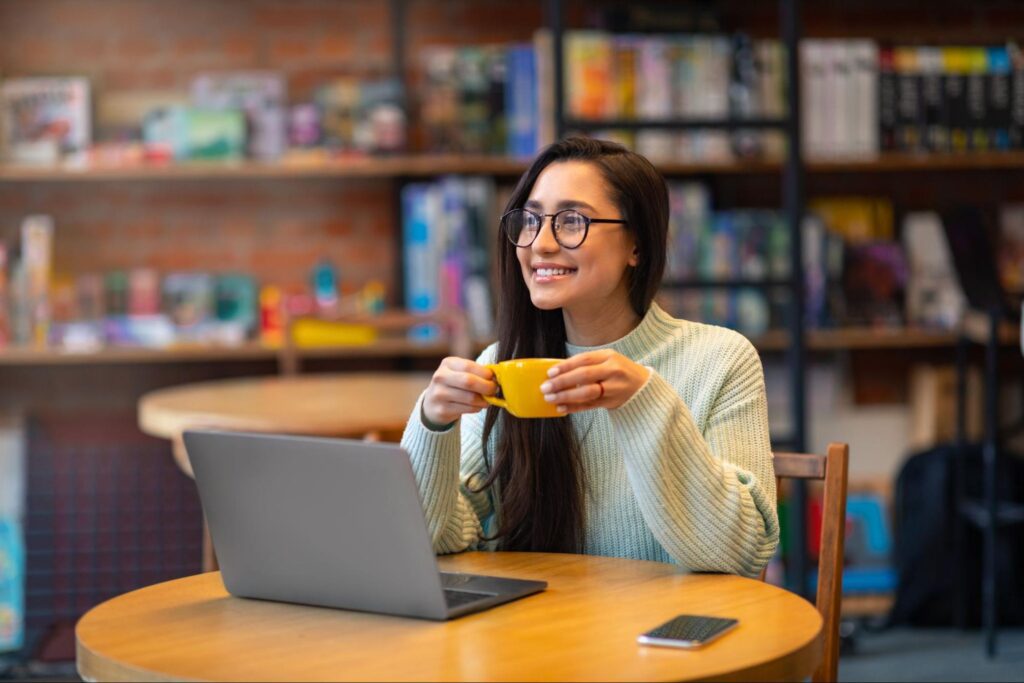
[[860, 338], [857, 338], [354, 167], [427, 165], [251, 351]]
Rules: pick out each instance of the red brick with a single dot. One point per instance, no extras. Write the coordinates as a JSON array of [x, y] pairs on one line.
[[336, 47], [290, 49]]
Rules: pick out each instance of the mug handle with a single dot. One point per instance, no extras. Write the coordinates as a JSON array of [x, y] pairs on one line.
[[494, 400]]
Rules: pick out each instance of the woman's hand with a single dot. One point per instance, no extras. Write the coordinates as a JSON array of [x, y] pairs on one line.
[[595, 379], [457, 387]]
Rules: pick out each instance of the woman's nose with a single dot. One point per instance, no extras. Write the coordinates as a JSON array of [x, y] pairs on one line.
[[546, 241]]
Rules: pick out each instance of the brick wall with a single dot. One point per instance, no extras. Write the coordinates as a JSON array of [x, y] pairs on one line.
[[277, 229], [149, 48]]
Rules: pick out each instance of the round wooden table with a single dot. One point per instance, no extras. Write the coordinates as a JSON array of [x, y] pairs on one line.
[[583, 627], [342, 405], [348, 405]]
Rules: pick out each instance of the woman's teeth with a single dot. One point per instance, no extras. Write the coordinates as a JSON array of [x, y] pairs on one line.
[[549, 272]]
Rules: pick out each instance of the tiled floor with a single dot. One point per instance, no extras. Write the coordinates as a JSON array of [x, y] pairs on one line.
[[933, 655]]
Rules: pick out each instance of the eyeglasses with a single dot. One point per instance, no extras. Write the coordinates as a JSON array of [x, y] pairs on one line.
[[569, 226]]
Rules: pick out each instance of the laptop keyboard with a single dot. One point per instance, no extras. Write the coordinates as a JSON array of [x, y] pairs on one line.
[[459, 598]]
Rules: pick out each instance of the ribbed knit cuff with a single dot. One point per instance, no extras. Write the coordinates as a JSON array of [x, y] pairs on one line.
[[435, 461]]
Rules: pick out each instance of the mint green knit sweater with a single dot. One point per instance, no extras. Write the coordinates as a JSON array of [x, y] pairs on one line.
[[681, 472]]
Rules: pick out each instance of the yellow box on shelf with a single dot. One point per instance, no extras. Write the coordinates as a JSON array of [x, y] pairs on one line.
[[311, 333]]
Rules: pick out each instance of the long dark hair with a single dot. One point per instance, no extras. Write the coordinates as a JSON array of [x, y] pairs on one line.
[[537, 464]]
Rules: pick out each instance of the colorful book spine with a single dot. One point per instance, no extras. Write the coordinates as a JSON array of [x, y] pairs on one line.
[[421, 270], [997, 96], [521, 101]]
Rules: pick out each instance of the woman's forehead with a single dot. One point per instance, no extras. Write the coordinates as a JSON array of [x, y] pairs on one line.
[[570, 182]]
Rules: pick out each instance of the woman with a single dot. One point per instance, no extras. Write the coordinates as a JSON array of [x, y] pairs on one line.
[[664, 454]]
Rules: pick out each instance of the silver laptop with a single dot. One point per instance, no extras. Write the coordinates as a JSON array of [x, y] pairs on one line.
[[330, 522]]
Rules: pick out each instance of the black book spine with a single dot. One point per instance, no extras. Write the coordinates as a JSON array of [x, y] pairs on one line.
[[977, 111], [936, 118], [909, 111], [886, 99], [1016, 98], [955, 60], [998, 97]]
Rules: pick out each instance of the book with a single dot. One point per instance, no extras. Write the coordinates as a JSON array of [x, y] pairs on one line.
[[37, 264], [886, 99], [471, 66], [956, 65], [521, 101], [260, 95], [421, 247], [44, 119], [874, 283], [977, 100], [588, 72], [188, 299], [998, 97], [933, 295], [933, 101], [5, 323], [653, 92], [1010, 259], [909, 109], [1016, 56]]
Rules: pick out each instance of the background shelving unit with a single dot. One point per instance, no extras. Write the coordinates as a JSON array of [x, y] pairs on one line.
[[792, 201]]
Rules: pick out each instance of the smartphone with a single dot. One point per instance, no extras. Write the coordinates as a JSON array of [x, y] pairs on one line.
[[687, 631]]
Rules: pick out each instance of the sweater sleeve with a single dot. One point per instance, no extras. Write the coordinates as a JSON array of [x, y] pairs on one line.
[[447, 465], [708, 496]]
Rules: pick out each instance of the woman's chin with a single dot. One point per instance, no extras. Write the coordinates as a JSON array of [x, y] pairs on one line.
[[547, 303]]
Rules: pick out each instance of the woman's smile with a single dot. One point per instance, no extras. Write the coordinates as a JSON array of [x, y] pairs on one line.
[[546, 273]]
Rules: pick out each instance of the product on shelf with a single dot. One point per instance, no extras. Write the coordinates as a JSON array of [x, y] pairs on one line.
[[191, 133], [364, 116], [933, 297], [260, 95], [44, 119]]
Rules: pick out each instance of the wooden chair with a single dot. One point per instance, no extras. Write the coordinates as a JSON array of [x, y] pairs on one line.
[[832, 469]]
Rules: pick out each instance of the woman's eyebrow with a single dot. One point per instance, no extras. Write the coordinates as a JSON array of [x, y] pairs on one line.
[[563, 204]]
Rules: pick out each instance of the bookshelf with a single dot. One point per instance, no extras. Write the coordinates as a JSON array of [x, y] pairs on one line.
[[837, 340], [428, 165]]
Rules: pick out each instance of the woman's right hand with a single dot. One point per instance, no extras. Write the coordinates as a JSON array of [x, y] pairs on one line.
[[457, 387]]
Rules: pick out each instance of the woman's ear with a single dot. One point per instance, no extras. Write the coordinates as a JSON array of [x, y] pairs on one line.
[[634, 258]]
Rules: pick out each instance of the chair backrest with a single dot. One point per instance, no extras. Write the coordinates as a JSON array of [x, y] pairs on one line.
[[832, 469]]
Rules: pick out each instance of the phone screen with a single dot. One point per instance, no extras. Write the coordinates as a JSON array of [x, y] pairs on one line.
[[687, 630]]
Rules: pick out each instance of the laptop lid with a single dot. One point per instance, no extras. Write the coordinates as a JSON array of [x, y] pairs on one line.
[[317, 521]]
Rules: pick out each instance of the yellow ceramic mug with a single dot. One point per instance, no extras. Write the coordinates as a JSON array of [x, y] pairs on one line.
[[520, 381]]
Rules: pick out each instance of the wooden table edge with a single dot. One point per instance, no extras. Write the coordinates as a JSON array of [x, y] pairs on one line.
[[796, 665]]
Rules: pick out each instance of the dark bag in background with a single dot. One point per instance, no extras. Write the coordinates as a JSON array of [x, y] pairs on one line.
[[924, 517]]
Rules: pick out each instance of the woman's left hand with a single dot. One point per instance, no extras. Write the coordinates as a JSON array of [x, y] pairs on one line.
[[594, 379]]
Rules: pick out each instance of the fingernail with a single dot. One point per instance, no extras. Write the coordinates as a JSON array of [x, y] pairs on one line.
[[561, 409], [553, 372], [545, 388], [550, 398]]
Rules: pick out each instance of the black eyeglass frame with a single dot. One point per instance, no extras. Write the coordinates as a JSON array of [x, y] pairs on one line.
[[587, 220]]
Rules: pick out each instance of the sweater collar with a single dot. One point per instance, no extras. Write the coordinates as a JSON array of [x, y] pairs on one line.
[[643, 339]]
